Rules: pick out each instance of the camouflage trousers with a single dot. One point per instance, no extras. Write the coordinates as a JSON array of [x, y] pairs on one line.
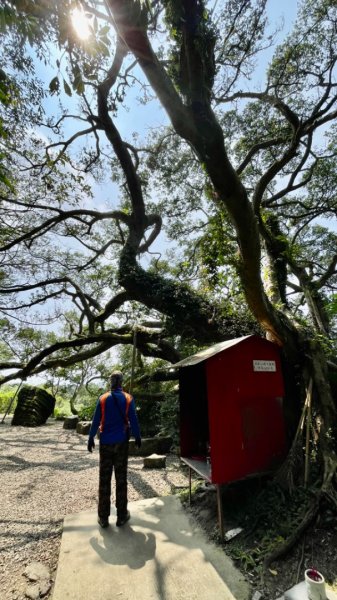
[[113, 456]]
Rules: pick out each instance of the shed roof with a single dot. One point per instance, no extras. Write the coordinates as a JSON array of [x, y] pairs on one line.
[[208, 352]]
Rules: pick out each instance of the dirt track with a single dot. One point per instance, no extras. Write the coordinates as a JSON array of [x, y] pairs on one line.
[[46, 473]]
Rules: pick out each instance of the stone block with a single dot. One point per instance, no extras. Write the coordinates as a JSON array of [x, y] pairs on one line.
[[155, 461], [155, 445], [83, 427], [70, 422], [34, 406], [36, 571], [39, 575]]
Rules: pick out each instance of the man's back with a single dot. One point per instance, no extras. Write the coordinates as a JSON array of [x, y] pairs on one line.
[[115, 416], [113, 412]]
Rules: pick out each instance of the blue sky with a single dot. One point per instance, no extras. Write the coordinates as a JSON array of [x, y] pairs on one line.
[[139, 120], [141, 117]]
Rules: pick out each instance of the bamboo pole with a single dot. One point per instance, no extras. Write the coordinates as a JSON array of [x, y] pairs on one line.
[[134, 350], [11, 402], [307, 434]]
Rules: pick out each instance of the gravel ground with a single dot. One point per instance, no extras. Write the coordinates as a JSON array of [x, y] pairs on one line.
[[45, 474]]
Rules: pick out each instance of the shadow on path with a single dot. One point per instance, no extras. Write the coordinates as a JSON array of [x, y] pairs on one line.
[[135, 548]]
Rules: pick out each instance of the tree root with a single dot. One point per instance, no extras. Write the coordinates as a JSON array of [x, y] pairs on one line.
[[326, 493], [292, 467], [293, 539]]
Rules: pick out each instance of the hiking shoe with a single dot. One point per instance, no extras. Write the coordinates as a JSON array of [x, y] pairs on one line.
[[103, 522], [124, 519]]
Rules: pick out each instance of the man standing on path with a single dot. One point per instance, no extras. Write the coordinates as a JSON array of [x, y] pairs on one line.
[[115, 414]]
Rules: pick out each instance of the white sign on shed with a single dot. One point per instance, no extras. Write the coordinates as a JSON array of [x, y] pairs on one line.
[[264, 365]]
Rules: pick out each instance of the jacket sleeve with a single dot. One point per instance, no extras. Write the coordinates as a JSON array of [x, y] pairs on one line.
[[133, 420], [96, 420]]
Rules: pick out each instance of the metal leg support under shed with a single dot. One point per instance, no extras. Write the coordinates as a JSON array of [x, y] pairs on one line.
[[190, 483], [218, 498], [220, 511]]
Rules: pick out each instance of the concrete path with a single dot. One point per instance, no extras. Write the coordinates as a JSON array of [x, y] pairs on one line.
[[158, 555]]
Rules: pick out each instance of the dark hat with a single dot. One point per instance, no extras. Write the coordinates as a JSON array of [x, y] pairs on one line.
[[116, 379]]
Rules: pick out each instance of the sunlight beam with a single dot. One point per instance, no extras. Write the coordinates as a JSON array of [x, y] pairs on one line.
[[80, 23]]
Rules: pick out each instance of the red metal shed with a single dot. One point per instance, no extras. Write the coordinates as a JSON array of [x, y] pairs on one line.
[[231, 418]]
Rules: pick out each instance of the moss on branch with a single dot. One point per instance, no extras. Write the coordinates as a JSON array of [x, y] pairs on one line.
[[191, 315]]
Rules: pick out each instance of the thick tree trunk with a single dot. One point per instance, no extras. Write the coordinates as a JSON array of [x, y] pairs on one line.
[[196, 122], [73, 409]]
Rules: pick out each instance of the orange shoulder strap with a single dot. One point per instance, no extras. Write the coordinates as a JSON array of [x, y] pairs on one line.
[[102, 402], [128, 399]]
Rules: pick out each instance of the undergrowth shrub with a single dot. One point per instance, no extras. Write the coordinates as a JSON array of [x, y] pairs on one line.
[[268, 518], [6, 395]]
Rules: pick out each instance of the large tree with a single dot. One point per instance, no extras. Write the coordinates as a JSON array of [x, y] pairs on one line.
[[243, 179]]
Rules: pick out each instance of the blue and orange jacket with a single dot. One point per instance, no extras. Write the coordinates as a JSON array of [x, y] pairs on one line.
[[111, 420]]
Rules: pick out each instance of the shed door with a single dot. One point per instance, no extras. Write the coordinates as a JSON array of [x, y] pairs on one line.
[[194, 432]]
